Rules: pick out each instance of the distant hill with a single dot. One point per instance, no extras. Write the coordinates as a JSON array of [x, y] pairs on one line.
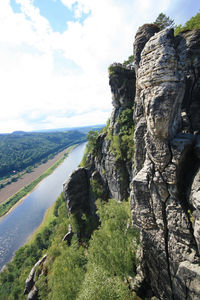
[[20, 149], [84, 129]]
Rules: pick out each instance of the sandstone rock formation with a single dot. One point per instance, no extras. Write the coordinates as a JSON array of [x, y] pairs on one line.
[[165, 175], [76, 190], [30, 287], [113, 176], [68, 236], [116, 174], [165, 188]]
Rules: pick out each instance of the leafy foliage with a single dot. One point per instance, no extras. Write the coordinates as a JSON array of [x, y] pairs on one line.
[[92, 137], [193, 23], [122, 145], [90, 148], [129, 60], [163, 21]]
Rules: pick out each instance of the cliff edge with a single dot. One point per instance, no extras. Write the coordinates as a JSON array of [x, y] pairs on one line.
[[165, 194], [157, 100]]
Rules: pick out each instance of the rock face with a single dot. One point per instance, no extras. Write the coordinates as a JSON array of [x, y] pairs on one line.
[[113, 176], [164, 87], [165, 195], [30, 287], [76, 190], [116, 174]]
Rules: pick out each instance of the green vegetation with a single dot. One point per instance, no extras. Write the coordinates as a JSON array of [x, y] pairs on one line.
[[6, 206], [19, 151], [163, 21], [92, 138], [111, 70], [128, 61], [122, 145], [191, 217], [12, 279], [111, 255], [90, 147], [87, 269], [193, 23]]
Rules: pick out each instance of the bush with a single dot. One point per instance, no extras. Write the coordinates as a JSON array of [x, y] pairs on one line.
[[90, 148], [122, 145], [193, 23]]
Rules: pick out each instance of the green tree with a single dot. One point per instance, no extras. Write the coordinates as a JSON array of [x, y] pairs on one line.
[[193, 23], [163, 21], [129, 60]]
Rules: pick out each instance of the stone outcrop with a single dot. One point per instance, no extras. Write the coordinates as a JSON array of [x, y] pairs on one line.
[[165, 195], [76, 190], [116, 175], [164, 87], [30, 287], [113, 176], [69, 235]]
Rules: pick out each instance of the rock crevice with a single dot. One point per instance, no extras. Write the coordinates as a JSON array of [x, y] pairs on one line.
[[167, 99]]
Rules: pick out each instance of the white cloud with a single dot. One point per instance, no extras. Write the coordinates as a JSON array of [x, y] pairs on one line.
[[31, 90]]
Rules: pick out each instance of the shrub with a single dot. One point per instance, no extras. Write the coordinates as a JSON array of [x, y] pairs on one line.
[[193, 23], [122, 145]]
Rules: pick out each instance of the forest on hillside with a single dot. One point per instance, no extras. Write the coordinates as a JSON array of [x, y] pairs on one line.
[[21, 150]]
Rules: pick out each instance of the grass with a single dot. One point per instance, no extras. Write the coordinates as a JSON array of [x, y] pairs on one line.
[[6, 206]]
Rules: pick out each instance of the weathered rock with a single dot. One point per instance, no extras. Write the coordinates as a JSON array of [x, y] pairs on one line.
[[114, 176], [140, 149], [122, 81], [122, 85], [142, 36], [165, 182], [33, 295], [189, 49], [68, 236], [30, 288], [76, 190], [165, 190], [194, 201]]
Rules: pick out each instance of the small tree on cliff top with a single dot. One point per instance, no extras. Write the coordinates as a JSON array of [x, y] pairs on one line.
[[163, 21]]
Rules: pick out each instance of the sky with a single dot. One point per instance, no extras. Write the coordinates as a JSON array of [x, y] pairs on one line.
[[54, 57]]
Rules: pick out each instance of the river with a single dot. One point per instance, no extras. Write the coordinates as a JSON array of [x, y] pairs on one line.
[[21, 222]]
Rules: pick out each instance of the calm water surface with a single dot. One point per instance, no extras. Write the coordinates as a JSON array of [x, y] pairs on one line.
[[20, 223]]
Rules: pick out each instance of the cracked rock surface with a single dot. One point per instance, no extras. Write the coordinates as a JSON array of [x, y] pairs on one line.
[[165, 195]]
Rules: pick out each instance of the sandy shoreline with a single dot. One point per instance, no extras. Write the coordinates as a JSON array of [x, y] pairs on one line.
[[14, 187]]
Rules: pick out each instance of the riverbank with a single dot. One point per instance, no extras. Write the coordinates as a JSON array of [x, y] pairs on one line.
[[47, 219], [12, 194]]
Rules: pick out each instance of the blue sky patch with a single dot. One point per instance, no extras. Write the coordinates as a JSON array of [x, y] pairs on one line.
[[57, 13], [63, 65], [15, 6]]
